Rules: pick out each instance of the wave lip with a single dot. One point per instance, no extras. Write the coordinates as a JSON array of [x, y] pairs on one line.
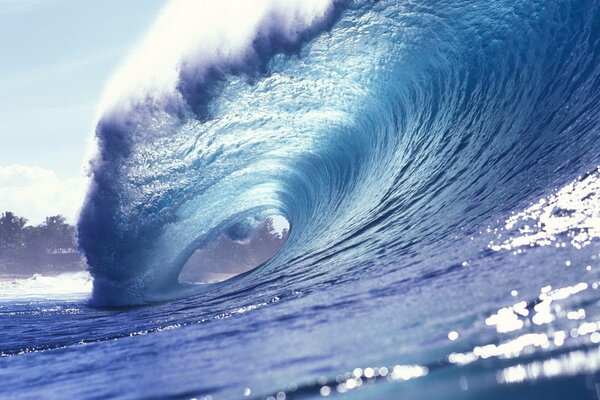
[[195, 43]]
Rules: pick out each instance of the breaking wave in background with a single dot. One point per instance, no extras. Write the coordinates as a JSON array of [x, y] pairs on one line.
[[73, 286], [437, 161]]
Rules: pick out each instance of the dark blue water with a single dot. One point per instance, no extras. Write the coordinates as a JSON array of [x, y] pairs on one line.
[[438, 163]]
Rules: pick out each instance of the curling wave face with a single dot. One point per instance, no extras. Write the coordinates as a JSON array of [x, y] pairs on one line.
[[377, 129]]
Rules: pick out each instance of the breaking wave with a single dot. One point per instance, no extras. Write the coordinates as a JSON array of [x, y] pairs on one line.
[[377, 129]]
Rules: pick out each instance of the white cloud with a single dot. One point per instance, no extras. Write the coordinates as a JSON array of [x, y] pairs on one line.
[[36, 193]]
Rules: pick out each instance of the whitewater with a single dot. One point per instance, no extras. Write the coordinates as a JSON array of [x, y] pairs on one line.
[[438, 163]]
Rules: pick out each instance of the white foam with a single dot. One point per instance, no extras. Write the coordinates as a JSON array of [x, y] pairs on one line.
[[200, 34], [67, 286]]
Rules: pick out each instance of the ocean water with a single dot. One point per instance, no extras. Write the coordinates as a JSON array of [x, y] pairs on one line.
[[438, 163]]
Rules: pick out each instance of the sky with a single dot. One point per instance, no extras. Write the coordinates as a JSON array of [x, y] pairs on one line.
[[56, 56]]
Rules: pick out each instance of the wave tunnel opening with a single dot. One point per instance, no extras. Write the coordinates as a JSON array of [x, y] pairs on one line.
[[240, 248]]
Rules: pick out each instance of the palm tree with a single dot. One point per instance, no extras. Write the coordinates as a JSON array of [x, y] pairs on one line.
[[59, 235], [11, 233]]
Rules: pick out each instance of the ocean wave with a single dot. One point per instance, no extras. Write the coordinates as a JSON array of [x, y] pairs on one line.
[[377, 129]]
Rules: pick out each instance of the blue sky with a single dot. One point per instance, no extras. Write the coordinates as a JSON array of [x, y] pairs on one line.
[[55, 58]]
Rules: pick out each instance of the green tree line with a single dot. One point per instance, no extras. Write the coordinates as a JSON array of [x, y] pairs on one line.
[[49, 246]]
